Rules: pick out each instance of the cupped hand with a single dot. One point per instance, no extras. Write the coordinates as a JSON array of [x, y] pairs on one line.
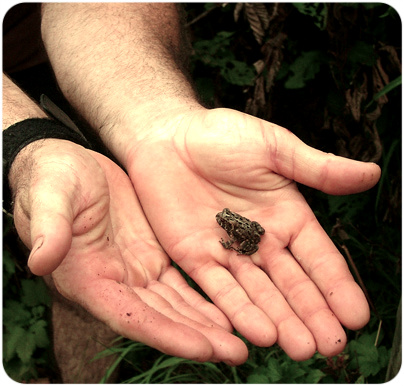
[[297, 289], [79, 213]]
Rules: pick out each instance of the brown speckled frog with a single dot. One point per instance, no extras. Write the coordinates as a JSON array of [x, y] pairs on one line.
[[240, 229]]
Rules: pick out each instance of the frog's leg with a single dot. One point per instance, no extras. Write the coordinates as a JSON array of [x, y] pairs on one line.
[[227, 244], [247, 248]]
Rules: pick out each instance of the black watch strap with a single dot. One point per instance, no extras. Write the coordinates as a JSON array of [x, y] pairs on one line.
[[21, 134]]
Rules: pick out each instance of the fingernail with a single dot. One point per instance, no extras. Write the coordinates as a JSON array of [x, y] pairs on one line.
[[37, 245]]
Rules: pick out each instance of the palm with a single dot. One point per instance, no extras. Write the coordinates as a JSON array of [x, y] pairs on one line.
[[116, 269], [222, 158]]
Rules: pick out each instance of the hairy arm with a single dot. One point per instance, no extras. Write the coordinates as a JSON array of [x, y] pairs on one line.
[[118, 63], [17, 106]]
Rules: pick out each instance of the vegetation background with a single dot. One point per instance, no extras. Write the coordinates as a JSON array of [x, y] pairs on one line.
[[330, 73]]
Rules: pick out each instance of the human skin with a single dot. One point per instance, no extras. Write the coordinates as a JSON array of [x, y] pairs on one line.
[[78, 213], [187, 163]]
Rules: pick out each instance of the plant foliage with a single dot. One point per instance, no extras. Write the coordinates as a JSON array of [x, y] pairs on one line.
[[25, 320], [331, 73]]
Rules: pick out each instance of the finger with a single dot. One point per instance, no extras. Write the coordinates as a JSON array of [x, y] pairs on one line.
[[293, 336], [174, 279], [306, 301], [163, 297], [327, 268], [226, 347], [323, 171], [218, 283], [50, 228], [133, 314]]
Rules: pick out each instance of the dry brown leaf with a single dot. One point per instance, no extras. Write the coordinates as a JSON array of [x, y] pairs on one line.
[[258, 18], [355, 98]]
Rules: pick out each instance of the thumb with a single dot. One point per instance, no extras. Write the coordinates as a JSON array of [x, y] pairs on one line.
[[323, 171], [51, 242], [49, 230]]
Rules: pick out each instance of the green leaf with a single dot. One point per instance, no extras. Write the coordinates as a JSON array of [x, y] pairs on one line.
[[367, 354], [25, 347], [318, 11], [258, 378], [35, 292], [362, 53], [274, 372], [347, 207], [14, 313], [40, 334], [8, 263], [38, 312], [216, 53], [11, 339], [314, 376], [208, 51], [392, 85], [19, 341], [293, 373], [304, 68], [238, 73]]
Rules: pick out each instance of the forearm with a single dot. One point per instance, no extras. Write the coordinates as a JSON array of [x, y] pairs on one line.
[[118, 63], [31, 129], [17, 106]]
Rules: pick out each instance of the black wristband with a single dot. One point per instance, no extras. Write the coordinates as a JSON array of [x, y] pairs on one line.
[[21, 134]]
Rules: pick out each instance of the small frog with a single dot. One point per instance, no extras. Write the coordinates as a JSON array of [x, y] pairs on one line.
[[240, 229]]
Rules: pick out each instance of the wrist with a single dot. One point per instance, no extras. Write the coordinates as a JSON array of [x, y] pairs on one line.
[[143, 124], [21, 171], [43, 165], [19, 141], [23, 164]]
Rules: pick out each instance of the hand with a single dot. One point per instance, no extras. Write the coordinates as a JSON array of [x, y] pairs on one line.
[[78, 212], [297, 289]]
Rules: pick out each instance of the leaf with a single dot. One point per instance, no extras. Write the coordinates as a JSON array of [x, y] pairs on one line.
[[258, 378], [258, 17], [261, 374], [304, 68], [238, 73], [11, 339], [293, 373], [8, 263], [392, 85], [19, 341], [314, 376], [318, 11], [274, 372], [367, 354], [362, 53], [40, 334], [347, 208], [14, 313], [25, 347], [34, 292], [38, 312]]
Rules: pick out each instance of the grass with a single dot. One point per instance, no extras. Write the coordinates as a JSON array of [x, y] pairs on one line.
[[365, 227]]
